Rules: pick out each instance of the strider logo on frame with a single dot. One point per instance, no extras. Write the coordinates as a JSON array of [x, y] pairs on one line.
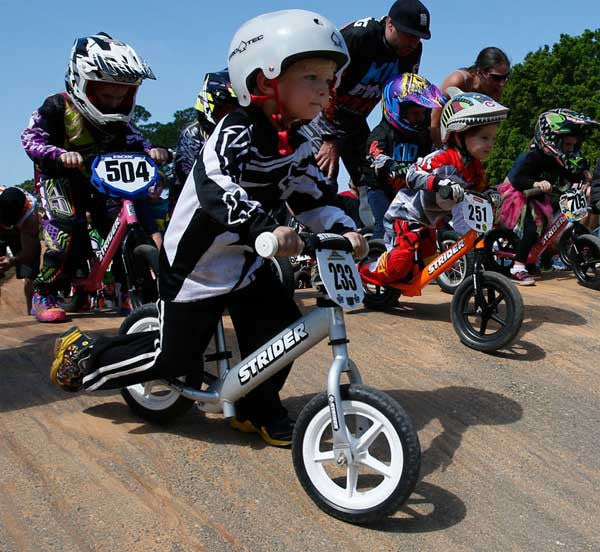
[[270, 354], [445, 256], [552, 231], [109, 238]]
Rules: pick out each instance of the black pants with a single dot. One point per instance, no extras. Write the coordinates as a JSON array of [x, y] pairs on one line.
[[258, 311], [353, 148], [529, 237]]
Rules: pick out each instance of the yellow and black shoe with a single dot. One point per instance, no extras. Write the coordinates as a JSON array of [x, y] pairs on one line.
[[69, 349], [277, 433], [245, 426]]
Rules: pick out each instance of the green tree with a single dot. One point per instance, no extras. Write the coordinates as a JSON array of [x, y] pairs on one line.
[[140, 114], [163, 134], [27, 185], [564, 75]]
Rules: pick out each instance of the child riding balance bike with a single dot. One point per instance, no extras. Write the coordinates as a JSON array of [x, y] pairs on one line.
[[486, 310]]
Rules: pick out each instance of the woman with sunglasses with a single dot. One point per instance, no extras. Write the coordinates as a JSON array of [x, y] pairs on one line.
[[487, 75]]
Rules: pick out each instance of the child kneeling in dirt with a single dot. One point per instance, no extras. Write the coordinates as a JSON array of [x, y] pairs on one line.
[[469, 124], [252, 163]]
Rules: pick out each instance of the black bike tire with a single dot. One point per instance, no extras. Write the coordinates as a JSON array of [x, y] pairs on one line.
[[404, 427]]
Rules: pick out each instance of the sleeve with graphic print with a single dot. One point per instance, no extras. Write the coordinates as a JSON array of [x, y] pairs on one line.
[[239, 178], [217, 179], [440, 165], [385, 172], [44, 136], [189, 144], [135, 140]]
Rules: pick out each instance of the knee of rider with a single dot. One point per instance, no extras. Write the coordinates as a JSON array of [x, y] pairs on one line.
[[399, 262]]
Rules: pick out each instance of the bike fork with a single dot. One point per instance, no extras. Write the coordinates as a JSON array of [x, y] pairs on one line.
[[342, 447]]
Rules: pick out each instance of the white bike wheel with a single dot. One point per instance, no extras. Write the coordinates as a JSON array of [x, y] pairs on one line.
[[387, 456], [152, 400]]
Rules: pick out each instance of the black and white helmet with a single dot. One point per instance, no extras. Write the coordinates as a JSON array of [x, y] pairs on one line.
[[102, 58], [465, 110], [271, 41]]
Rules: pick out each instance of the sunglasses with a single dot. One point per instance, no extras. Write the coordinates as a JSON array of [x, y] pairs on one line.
[[499, 78]]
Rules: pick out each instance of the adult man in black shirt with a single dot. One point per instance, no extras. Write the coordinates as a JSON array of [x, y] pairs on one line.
[[379, 50]]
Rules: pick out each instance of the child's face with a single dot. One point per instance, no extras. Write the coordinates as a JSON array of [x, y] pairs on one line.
[[569, 143], [479, 142], [415, 114], [304, 87], [110, 97]]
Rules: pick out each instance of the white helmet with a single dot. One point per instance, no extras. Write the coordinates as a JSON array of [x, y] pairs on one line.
[[469, 109], [269, 41], [104, 59]]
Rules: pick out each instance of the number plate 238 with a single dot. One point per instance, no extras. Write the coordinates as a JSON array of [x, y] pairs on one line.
[[340, 278]]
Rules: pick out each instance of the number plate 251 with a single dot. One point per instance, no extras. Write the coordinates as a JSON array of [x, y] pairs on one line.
[[340, 278]]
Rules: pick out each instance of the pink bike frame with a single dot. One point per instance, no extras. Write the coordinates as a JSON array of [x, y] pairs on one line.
[[101, 261], [552, 233]]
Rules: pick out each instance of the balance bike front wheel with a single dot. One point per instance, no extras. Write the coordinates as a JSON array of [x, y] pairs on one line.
[[387, 455]]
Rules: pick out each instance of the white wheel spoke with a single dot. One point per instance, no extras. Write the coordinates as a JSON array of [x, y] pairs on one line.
[[376, 465], [366, 440], [323, 457], [351, 480]]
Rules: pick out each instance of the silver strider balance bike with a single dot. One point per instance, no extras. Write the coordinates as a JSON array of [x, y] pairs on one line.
[[355, 450]]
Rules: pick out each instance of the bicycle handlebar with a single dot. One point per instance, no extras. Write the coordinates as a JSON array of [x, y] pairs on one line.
[[533, 192], [266, 244]]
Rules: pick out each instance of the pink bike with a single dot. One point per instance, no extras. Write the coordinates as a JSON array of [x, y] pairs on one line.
[[125, 176], [576, 246]]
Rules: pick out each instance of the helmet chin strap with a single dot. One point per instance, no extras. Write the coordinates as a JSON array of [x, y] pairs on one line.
[[283, 143]]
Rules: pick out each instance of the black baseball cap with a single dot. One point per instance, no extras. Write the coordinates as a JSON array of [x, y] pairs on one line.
[[410, 16]]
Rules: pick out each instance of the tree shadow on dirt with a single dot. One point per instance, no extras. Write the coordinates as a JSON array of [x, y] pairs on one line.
[[192, 425], [537, 315], [438, 312], [520, 350], [430, 508]]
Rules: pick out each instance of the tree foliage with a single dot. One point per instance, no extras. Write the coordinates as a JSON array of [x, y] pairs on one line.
[[564, 75], [28, 185], [163, 134]]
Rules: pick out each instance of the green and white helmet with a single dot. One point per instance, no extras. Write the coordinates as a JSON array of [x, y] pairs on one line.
[[555, 124], [466, 110], [271, 41]]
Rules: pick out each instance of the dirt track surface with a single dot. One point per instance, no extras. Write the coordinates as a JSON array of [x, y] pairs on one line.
[[510, 443]]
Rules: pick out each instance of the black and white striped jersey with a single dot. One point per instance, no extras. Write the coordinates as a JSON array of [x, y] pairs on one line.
[[238, 179]]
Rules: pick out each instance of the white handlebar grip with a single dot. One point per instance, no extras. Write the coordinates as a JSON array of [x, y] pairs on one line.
[[266, 245]]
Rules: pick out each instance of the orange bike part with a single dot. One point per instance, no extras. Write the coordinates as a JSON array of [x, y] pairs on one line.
[[439, 265]]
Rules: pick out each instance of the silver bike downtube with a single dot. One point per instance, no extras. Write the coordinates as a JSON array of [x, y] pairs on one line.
[[277, 353]]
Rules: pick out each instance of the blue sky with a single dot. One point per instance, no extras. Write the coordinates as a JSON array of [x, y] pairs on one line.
[[183, 39]]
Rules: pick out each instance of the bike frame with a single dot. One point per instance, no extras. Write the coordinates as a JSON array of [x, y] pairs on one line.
[[552, 234], [231, 384], [104, 256], [439, 265]]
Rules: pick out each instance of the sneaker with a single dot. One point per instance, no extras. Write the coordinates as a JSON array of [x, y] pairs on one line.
[[557, 264], [124, 304], [69, 350], [277, 433], [522, 278], [46, 309], [535, 271]]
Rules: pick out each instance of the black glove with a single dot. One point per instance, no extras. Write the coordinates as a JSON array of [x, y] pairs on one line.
[[494, 197], [447, 189]]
